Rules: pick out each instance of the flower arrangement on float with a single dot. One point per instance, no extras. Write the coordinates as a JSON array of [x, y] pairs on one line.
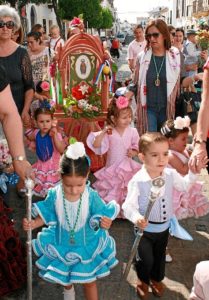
[[203, 39], [203, 43], [83, 101]]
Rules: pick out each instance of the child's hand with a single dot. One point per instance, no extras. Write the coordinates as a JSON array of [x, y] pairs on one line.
[[107, 129], [28, 225], [142, 223], [53, 131], [105, 222], [131, 153]]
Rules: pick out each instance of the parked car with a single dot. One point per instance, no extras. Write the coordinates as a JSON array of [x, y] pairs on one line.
[[121, 37]]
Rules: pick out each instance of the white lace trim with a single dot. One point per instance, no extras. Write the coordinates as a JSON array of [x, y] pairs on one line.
[[72, 208]]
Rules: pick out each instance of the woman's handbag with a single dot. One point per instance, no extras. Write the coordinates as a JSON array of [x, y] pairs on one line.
[[188, 104]]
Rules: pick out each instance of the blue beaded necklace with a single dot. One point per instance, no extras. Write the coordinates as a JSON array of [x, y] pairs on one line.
[[72, 229]]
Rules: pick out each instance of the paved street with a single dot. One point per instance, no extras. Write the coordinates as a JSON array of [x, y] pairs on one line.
[[123, 68], [178, 273]]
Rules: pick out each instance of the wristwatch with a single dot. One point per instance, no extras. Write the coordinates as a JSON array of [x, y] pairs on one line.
[[199, 141], [19, 158]]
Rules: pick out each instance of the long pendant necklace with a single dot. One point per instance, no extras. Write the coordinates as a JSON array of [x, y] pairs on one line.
[[71, 228], [157, 81]]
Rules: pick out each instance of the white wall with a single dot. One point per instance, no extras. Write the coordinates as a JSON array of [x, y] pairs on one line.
[[42, 12]]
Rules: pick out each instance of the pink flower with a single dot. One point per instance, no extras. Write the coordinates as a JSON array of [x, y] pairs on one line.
[[122, 102], [95, 108], [45, 86], [75, 21]]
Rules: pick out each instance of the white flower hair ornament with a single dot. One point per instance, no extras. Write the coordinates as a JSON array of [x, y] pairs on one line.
[[180, 123], [75, 151]]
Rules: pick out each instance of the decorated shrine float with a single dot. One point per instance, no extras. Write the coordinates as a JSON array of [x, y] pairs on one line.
[[83, 88]]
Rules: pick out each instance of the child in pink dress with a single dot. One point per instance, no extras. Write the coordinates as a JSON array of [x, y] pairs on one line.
[[49, 146], [120, 142], [186, 204]]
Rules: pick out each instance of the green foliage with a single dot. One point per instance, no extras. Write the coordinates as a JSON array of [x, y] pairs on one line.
[[91, 10], [107, 18]]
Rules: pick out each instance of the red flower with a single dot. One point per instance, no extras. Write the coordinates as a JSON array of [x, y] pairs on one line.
[[81, 91], [76, 93]]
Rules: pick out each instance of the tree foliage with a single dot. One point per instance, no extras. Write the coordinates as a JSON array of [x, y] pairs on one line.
[[107, 18], [91, 10], [93, 14]]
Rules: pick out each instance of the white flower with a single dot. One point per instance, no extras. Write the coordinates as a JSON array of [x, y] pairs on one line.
[[84, 89], [82, 103], [75, 151], [181, 123], [187, 121]]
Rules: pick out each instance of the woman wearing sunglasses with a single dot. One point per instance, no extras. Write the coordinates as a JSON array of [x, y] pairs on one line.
[[16, 61], [156, 79]]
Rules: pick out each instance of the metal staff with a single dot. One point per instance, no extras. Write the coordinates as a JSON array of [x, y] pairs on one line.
[[157, 184], [29, 185]]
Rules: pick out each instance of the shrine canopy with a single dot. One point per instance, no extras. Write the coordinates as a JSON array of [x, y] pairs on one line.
[[81, 62]]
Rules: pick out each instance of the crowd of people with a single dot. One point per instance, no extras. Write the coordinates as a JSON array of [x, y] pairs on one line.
[[74, 246]]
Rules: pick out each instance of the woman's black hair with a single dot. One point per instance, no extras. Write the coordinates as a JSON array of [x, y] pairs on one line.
[[36, 35], [78, 167], [180, 29]]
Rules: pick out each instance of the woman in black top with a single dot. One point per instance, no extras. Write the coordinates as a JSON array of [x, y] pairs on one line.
[[16, 61], [12, 126]]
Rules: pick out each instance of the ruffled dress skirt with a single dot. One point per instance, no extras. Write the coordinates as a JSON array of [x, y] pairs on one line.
[[190, 204], [112, 181], [74, 264], [46, 175]]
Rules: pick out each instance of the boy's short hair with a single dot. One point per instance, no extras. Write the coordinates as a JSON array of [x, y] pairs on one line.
[[148, 138]]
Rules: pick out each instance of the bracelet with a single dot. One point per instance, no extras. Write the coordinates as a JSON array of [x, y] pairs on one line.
[[19, 158], [200, 142]]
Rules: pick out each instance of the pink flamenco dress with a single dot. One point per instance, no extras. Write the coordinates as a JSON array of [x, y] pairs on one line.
[[192, 203], [112, 180], [46, 167]]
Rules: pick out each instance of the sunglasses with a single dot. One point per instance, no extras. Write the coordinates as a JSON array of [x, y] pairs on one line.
[[154, 35], [8, 24]]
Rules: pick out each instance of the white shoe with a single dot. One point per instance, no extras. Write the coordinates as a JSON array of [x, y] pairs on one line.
[[168, 258], [69, 294]]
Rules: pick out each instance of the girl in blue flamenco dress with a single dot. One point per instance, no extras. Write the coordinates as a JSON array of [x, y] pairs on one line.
[[75, 247]]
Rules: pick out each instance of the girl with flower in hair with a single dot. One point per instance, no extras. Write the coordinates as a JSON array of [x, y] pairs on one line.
[[120, 142], [192, 203], [74, 248], [49, 144]]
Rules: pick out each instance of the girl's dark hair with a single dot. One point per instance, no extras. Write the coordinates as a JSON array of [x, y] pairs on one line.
[[42, 110], [36, 35], [169, 131], [77, 167], [163, 28], [148, 138], [114, 111]]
